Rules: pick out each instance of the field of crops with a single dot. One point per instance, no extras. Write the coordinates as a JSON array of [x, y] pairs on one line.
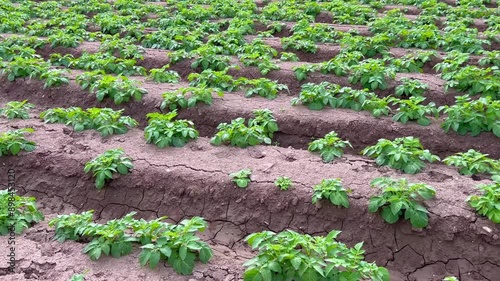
[[250, 140]]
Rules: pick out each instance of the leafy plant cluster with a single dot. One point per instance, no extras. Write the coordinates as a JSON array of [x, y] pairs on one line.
[[178, 244], [329, 147], [12, 142], [317, 96], [17, 213], [104, 120], [163, 75], [473, 162], [260, 129], [163, 131], [241, 178], [16, 109], [33, 67], [189, 97], [283, 183], [289, 255], [405, 154], [108, 163], [106, 62], [400, 198], [487, 204], [473, 116], [119, 88], [332, 190]]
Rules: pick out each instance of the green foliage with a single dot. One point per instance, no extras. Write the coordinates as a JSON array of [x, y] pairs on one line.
[[475, 80], [331, 189], [411, 88], [372, 74], [110, 239], [474, 116], [211, 61], [17, 213], [317, 96], [177, 244], [107, 63], [283, 183], [119, 88], [12, 142], [450, 278], [178, 98], [298, 44], [125, 47], [21, 67], [405, 154], [16, 109], [260, 129], [398, 198], [473, 162], [286, 56], [262, 87], [264, 118], [104, 120], [64, 39], [289, 255], [77, 277], [241, 178], [490, 58], [54, 78], [162, 75], [366, 46], [163, 131], [412, 110], [262, 62], [105, 165], [329, 147], [213, 79], [377, 106], [488, 204], [302, 71], [72, 226]]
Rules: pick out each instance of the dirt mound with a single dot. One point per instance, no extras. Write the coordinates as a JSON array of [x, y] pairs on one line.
[[189, 181]]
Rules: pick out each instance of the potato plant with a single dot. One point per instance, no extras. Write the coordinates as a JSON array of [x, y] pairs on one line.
[[163, 75], [289, 255], [17, 213], [400, 198], [180, 98], [119, 88], [411, 88], [241, 178], [473, 116], [108, 163], [16, 109], [260, 129], [332, 190], [72, 226], [104, 120], [262, 87], [329, 147], [412, 110], [371, 74], [317, 96], [405, 154], [283, 183], [163, 131], [12, 142], [177, 244], [487, 204], [473, 162]]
